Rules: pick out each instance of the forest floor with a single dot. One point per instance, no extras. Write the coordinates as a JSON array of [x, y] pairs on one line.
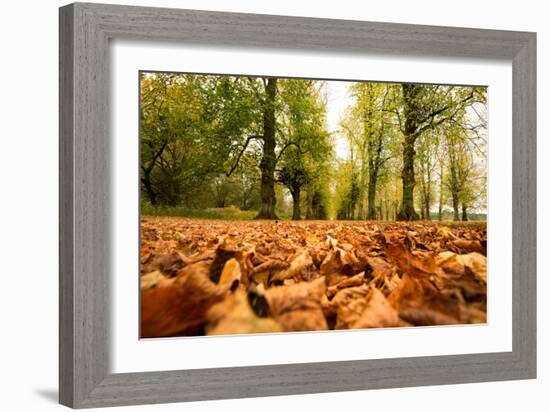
[[225, 277]]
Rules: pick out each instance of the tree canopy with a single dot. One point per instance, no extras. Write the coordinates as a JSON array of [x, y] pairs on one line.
[[265, 144]]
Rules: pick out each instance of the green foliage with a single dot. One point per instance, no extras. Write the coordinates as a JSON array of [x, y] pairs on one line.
[[306, 149], [410, 147]]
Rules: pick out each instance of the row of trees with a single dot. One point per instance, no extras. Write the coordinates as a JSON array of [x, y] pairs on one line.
[[210, 140], [403, 137], [263, 143]]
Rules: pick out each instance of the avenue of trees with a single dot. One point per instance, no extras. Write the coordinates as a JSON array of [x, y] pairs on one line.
[[263, 144]]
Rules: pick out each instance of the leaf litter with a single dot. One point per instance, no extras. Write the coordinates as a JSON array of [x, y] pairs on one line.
[[208, 277]]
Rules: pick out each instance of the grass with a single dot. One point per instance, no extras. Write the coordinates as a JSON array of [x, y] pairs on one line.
[[470, 223], [234, 213], [226, 213]]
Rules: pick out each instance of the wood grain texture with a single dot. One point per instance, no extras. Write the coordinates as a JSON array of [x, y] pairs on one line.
[[85, 31], [66, 245], [524, 207]]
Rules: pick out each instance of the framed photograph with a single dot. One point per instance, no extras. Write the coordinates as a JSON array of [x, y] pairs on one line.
[[256, 205]]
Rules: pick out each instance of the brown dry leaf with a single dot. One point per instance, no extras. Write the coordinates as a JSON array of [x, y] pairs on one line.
[[311, 238], [475, 262], [331, 242], [234, 315], [231, 274], [340, 262], [412, 262], [445, 233], [167, 263], [348, 314], [466, 246], [474, 312], [263, 272], [378, 313], [356, 280], [222, 255], [379, 267], [464, 274], [152, 280], [429, 273], [384, 275], [297, 307], [299, 268], [344, 297], [180, 307], [419, 302]]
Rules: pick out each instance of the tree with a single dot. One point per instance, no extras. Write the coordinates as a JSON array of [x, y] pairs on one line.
[[294, 178], [154, 133], [305, 146], [378, 130], [268, 162], [170, 126], [263, 144], [370, 131], [423, 107], [466, 172], [426, 151], [248, 181], [346, 190]]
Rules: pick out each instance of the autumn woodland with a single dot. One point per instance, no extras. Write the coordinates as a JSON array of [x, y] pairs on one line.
[[292, 205]]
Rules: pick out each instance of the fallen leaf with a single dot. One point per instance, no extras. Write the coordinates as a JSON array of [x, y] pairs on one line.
[[418, 301], [234, 315], [231, 274], [180, 307], [297, 307], [167, 263], [309, 275], [466, 246], [475, 262], [152, 280], [378, 313], [356, 280], [299, 268]]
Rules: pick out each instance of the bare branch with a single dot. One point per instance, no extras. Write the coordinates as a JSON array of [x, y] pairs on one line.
[[248, 140]]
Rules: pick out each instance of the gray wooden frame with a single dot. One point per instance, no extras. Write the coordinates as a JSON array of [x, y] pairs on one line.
[[85, 31]]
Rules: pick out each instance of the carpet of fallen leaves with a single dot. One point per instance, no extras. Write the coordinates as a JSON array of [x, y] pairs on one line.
[[212, 277]]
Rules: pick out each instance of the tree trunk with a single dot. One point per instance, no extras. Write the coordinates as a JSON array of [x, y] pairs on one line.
[[371, 196], [361, 208], [427, 201], [296, 214], [309, 205], [268, 162], [427, 189], [407, 211], [440, 210], [361, 191], [455, 206], [464, 213], [353, 196], [146, 180]]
